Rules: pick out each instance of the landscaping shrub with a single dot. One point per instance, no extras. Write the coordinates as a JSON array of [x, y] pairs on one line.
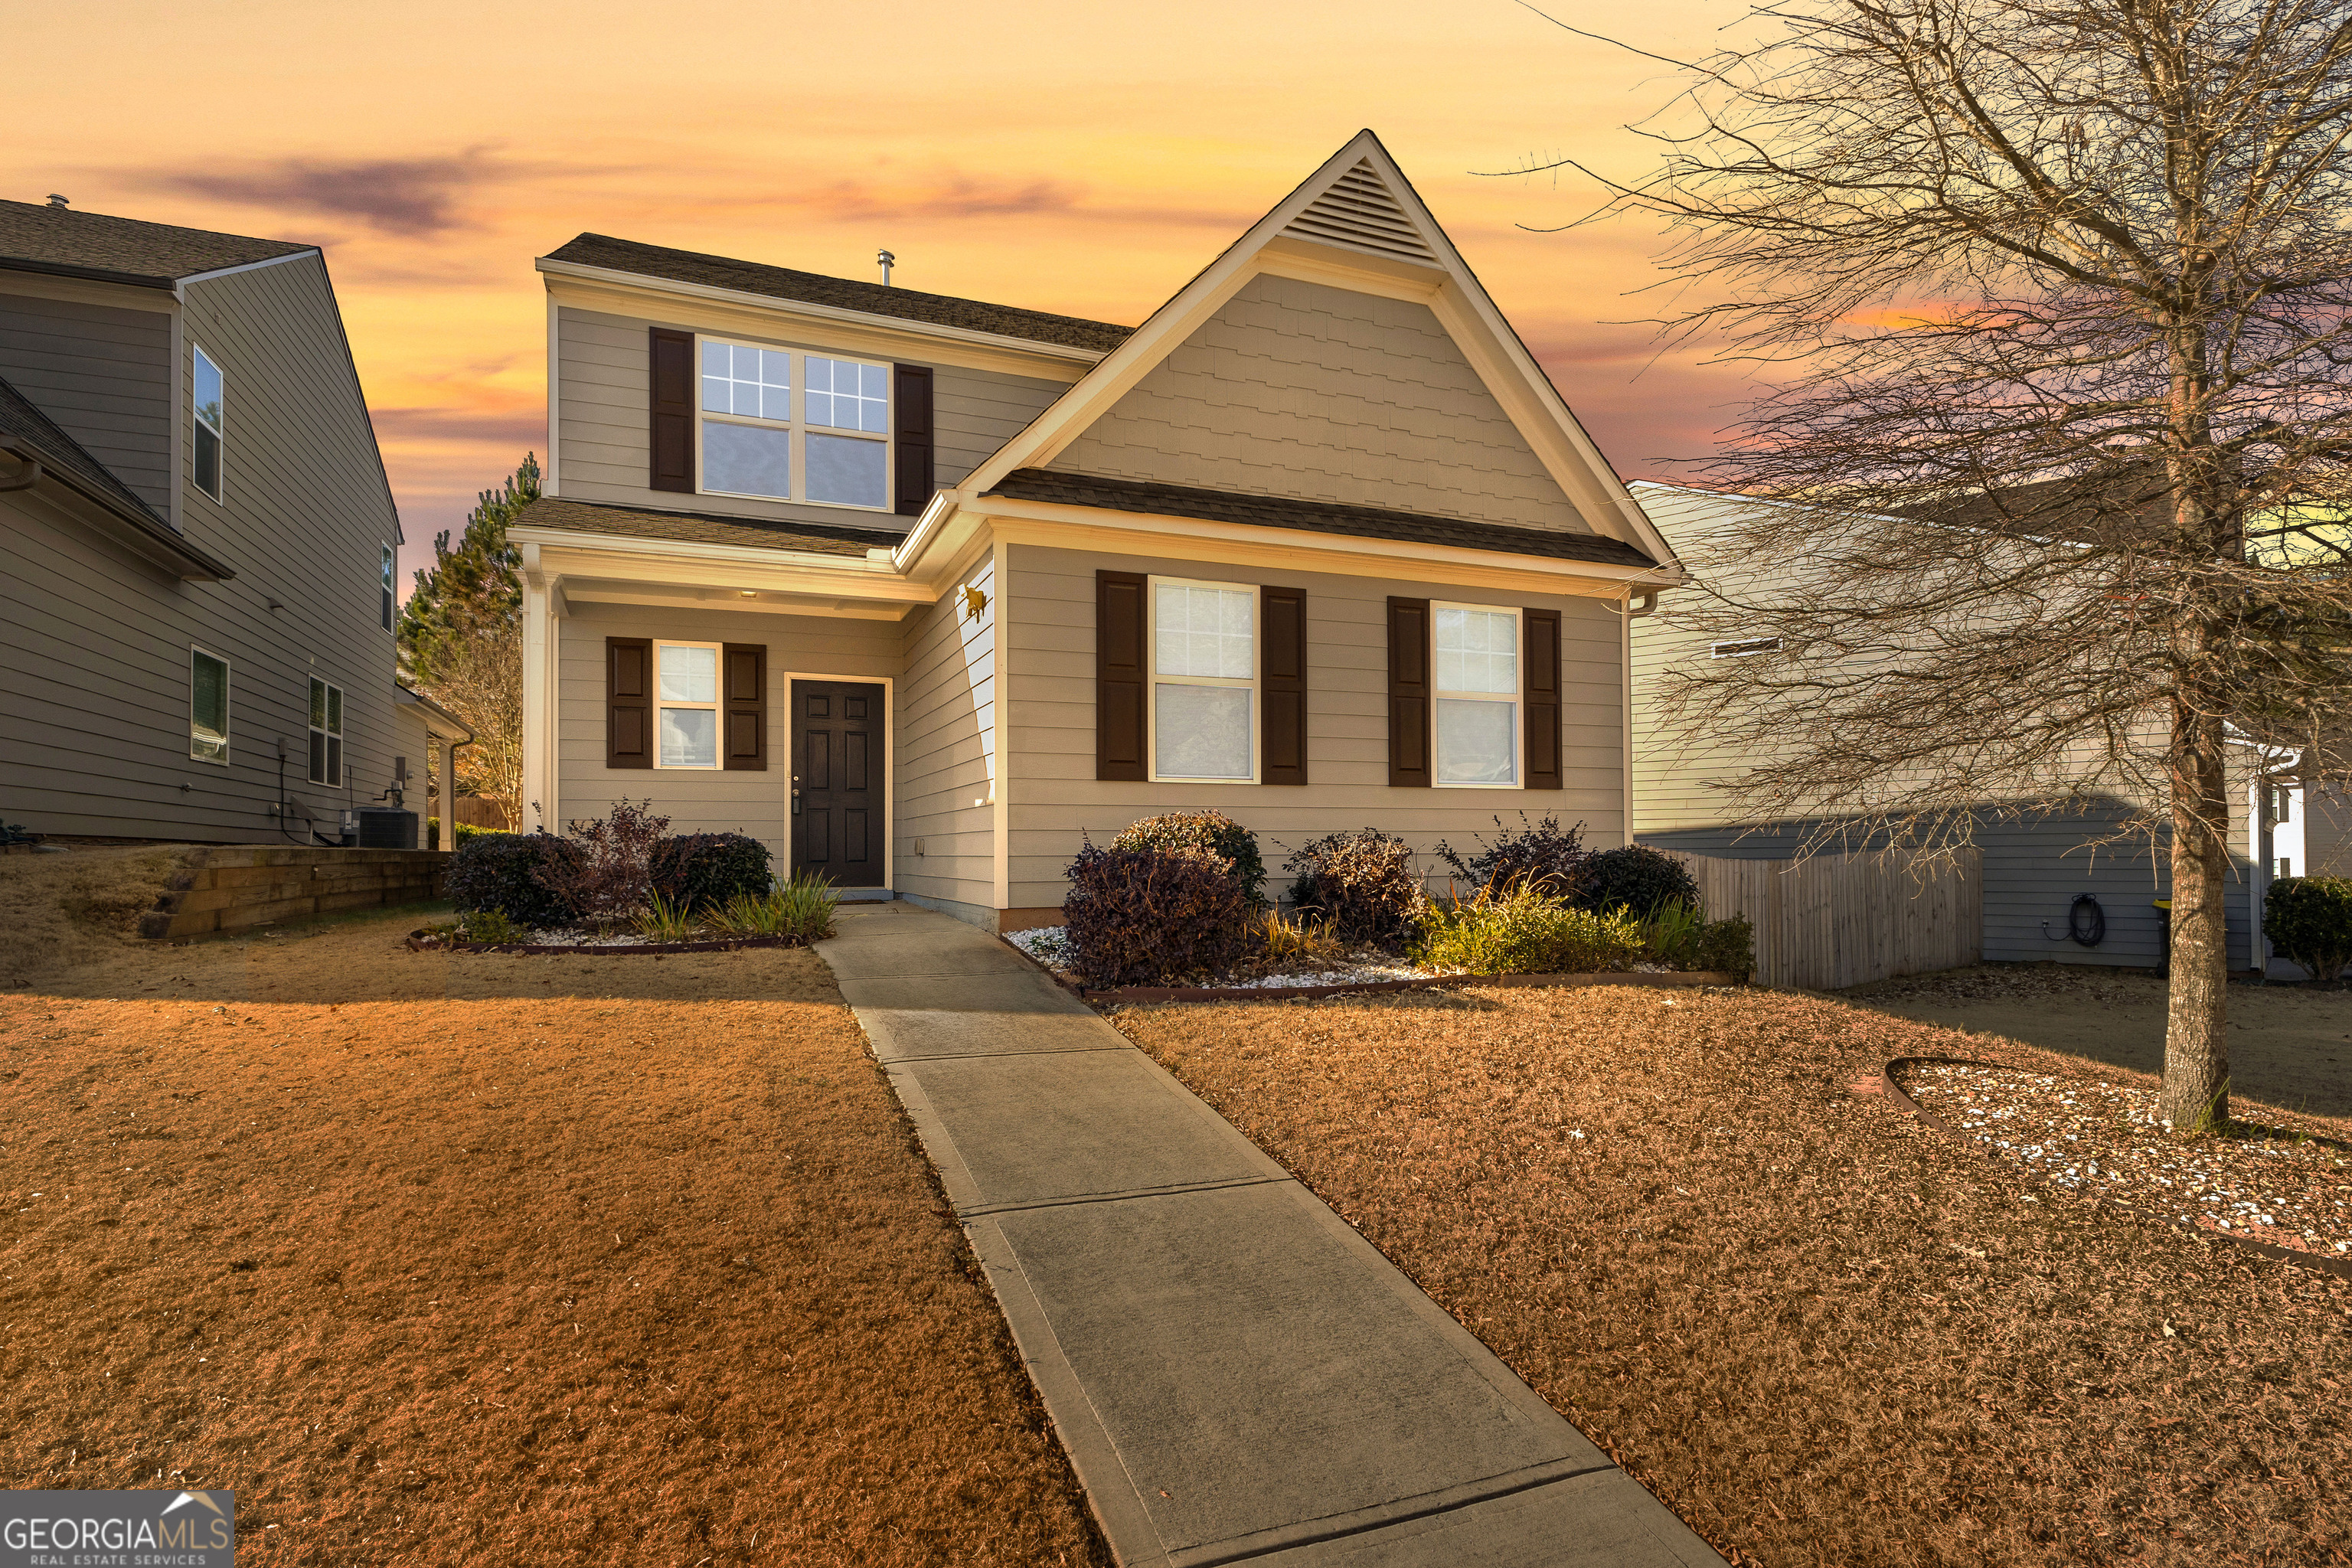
[[1520, 930], [2309, 920], [1726, 947], [501, 871], [1636, 878], [609, 877], [1362, 883], [1145, 917], [699, 871], [1210, 830], [1541, 855]]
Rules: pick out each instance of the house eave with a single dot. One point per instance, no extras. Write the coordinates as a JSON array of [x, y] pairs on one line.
[[831, 314], [148, 537]]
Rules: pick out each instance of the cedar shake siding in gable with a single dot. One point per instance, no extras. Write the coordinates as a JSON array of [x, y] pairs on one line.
[[1049, 600], [603, 422], [1322, 393], [103, 375]]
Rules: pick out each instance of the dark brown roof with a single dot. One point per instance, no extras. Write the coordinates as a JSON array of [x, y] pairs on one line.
[[2080, 509], [39, 238], [703, 528], [1316, 517], [841, 293], [25, 430]]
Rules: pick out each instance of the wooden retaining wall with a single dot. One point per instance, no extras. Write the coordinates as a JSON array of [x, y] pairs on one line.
[[1832, 921], [232, 889]]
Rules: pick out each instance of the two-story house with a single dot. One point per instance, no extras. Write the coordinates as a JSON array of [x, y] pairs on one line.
[[920, 590], [197, 538]]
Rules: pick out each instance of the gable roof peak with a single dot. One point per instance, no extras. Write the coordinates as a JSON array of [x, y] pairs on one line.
[[1358, 211]]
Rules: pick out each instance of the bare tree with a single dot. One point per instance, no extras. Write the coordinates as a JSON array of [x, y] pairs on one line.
[[2049, 303]]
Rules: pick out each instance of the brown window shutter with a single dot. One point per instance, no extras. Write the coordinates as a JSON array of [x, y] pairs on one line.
[[1119, 675], [746, 702], [1543, 699], [1282, 700], [911, 428], [1409, 705], [670, 366], [628, 702]]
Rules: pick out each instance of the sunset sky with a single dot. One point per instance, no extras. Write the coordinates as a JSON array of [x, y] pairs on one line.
[[1080, 158]]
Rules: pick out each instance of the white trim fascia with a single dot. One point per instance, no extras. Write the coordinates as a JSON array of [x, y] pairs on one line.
[[889, 686], [552, 481], [180, 285], [703, 596], [688, 549], [1146, 533], [774, 305], [935, 516]]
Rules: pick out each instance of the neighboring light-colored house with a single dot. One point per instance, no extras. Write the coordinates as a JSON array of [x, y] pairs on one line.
[[2035, 867], [920, 590], [197, 533]]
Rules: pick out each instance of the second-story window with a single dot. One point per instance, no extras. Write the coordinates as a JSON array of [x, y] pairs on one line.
[[209, 398], [833, 447], [388, 594]]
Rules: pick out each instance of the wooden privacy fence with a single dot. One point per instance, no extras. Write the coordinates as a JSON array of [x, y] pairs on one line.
[[1832, 921]]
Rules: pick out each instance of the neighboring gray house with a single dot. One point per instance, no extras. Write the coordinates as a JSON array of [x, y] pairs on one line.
[[2034, 866], [196, 539], [921, 590]]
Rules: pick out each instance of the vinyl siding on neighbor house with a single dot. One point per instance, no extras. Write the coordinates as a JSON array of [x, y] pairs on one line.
[[1317, 393], [948, 769], [604, 428], [103, 373], [97, 642], [1050, 737], [699, 800]]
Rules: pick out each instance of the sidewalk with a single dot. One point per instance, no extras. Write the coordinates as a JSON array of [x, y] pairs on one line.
[[1238, 1377]]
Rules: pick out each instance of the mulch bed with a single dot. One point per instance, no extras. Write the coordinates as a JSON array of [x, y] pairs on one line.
[[1111, 996], [2266, 1186], [507, 1260], [1820, 1331], [425, 941]]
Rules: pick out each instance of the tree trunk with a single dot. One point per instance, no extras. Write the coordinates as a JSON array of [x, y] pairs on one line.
[[2196, 1096]]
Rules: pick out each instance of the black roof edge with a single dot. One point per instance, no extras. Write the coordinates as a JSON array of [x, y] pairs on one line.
[[160, 537], [95, 274]]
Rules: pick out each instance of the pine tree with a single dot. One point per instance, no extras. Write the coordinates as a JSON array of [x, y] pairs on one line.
[[460, 636]]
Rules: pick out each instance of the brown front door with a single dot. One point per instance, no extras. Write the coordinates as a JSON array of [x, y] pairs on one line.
[[837, 806]]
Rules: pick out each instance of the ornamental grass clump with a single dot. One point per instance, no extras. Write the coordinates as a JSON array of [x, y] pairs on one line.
[[664, 921], [1150, 916], [1211, 831], [1519, 931], [2309, 920], [801, 908], [1362, 883]]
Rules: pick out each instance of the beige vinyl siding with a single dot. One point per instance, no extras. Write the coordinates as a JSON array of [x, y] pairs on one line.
[[1323, 394], [94, 719], [103, 373], [604, 437], [697, 800], [1055, 795], [948, 756]]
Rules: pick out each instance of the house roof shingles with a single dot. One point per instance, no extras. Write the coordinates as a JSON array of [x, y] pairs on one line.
[[41, 238], [1314, 517], [704, 528], [839, 293]]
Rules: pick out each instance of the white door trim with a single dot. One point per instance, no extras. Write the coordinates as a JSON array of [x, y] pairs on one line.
[[889, 776]]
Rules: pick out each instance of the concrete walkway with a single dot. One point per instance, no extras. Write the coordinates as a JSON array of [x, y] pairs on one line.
[[1238, 1377]]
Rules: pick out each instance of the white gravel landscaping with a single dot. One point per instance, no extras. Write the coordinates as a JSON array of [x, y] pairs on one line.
[[1050, 947], [2105, 1139]]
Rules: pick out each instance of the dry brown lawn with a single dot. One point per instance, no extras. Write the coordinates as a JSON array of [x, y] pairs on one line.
[[461, 1260], [1820, 1332]]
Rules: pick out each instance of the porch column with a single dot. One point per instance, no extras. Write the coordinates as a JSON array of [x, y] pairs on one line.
[[539, 689]]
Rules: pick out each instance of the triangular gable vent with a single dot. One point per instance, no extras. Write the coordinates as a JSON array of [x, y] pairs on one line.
[[1357, 211]]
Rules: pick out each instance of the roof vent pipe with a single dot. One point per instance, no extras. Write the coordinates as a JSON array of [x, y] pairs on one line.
[[883, 257], [56, 201]]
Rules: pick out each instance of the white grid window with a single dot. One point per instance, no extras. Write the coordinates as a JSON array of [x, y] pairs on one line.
[[1204, 680], [210, 399], [835, 451], [208, 706], [326, 733], [1478, 692], [686, 703]]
